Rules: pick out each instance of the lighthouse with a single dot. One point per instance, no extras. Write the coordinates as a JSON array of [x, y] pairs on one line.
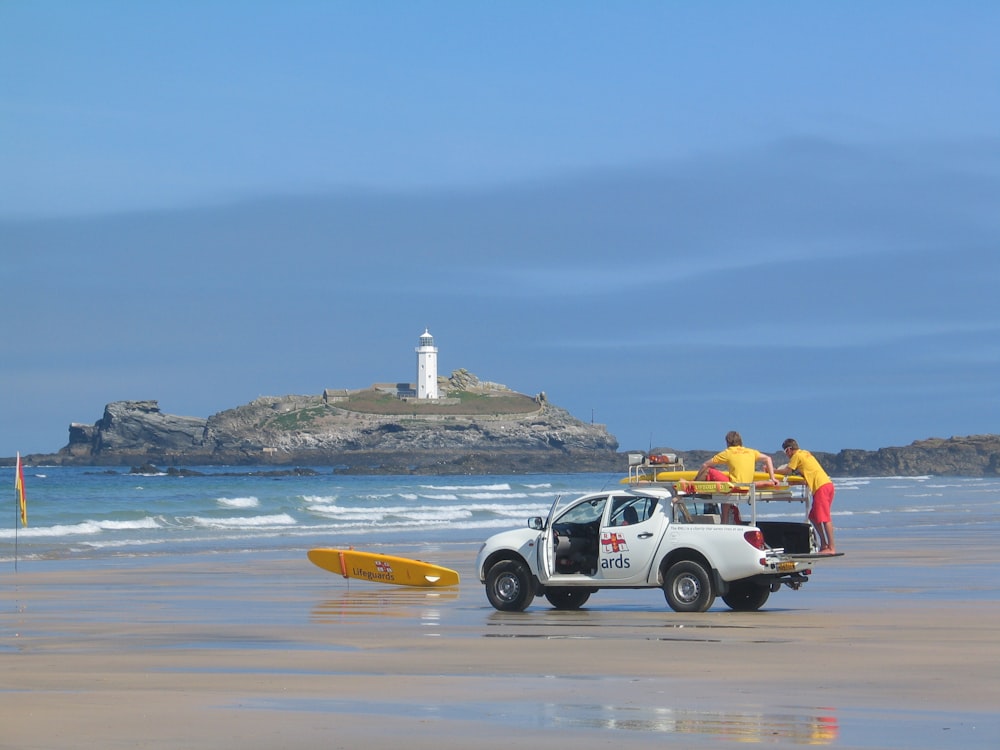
[[427, 367]]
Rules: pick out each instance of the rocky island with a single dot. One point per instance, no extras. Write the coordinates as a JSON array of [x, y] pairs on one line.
[[475, 427]]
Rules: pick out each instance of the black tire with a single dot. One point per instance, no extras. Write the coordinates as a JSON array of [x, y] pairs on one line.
[[509, 587], [688, 587], [567, 598], [746, 596]]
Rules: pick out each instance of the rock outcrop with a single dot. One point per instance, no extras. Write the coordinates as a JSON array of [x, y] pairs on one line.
[[971, 456], [496, 431]]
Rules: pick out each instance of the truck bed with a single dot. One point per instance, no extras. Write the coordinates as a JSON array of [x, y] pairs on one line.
[[794, 537]]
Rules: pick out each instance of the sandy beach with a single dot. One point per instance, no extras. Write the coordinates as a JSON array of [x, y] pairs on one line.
[[268, 651]]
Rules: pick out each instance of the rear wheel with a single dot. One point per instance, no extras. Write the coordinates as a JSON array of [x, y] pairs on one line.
[[746, 596], [567, 598], [688, 587], [509, 587]]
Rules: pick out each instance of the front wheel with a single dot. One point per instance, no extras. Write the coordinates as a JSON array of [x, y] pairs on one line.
[[567, 598], [746, 596], [509, 587], [688, 587]]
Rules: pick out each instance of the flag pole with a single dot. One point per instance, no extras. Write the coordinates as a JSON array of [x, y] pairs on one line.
[[20, 509], [17, 503]]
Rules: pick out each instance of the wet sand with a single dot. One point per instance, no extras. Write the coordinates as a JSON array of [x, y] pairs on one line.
[[268, 651]]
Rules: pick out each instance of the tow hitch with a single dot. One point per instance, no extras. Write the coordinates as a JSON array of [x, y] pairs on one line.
[[794, 581]]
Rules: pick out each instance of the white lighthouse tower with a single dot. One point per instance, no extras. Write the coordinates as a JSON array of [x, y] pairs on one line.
[[427, 367]]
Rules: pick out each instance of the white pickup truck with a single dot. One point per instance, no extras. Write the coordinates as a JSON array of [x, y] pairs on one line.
[[692, 546]]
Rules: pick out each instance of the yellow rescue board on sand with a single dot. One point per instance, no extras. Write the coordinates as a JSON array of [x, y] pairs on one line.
[[688, 476], [371, 566]]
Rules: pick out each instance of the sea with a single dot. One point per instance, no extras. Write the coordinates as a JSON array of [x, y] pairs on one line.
[[87, 513]]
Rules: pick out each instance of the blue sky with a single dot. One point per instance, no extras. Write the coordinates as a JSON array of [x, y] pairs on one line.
[[676, 219]]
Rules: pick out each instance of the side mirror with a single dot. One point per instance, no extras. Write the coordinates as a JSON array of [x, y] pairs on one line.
[[536, 523]]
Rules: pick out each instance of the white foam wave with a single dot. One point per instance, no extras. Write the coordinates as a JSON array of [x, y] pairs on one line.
[[78, 529], [247, 522], [464, 487], [341, 512], [448, 515], [320, 498], [238, 502], [505, 509], [494, 495]]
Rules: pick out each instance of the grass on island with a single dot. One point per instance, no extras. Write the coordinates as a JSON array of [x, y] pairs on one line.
[[380, 403], [470, 404]]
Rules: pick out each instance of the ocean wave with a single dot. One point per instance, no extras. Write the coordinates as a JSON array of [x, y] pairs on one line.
[[339, 512], [279, 519], [403, 514], [494, 495], [408, 511], [82, 528], [441, 514], [501, 487], [320, 498], [238, 502]]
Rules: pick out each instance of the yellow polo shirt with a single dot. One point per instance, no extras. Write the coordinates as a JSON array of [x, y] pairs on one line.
[[742, 462], [805, 463]]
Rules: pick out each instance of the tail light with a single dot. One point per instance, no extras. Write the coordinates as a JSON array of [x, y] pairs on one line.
[[755, 538]]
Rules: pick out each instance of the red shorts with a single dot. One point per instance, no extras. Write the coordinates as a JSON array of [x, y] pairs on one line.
[[822, 500], [714, 475]]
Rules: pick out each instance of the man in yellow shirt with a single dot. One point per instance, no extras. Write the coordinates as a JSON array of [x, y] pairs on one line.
[[820, 486], [741, 462]]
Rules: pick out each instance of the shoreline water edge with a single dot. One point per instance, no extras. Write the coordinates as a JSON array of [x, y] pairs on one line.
[[158, 612]]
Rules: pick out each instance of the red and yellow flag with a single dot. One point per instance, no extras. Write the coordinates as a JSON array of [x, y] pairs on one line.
[[19, 491]]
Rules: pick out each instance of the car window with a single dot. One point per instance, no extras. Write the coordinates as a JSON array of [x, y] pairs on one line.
[[630, 510]]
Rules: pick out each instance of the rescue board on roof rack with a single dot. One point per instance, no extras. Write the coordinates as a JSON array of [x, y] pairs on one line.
[[379, 568], [762, 490], [643, 474]]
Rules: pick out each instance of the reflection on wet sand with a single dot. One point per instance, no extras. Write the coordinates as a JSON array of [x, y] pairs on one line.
[[418, 604], [819, 727], [807, 728]]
